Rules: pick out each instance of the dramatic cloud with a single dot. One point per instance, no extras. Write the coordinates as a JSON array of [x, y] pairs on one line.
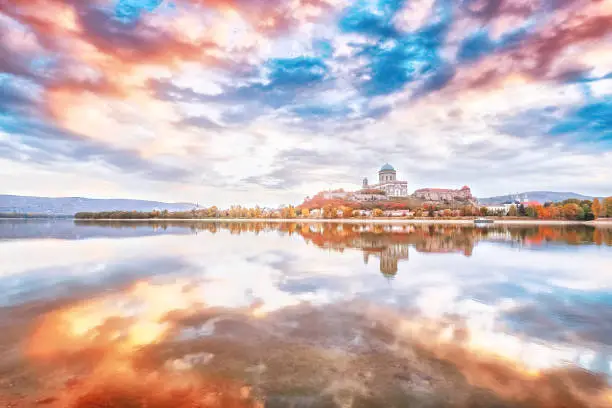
[[265, 101]]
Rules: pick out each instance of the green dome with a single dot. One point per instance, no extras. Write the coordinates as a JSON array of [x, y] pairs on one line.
[[387, 167]]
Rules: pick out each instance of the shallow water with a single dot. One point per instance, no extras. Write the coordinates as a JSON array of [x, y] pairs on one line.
[[120, 314]]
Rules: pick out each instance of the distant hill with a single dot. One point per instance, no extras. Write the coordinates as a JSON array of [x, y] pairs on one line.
[[540, 196], [73, 205]]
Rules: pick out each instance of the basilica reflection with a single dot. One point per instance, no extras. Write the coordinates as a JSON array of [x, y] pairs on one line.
[[390, 244]]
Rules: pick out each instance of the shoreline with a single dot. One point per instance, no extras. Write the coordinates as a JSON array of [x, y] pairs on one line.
[[607, 222]]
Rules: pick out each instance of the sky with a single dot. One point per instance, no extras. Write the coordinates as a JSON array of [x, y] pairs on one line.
[[265, 102]]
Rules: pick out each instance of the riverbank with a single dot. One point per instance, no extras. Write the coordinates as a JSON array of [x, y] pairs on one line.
[[392, 221]]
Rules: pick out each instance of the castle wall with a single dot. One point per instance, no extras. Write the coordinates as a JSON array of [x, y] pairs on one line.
[[464, 194]]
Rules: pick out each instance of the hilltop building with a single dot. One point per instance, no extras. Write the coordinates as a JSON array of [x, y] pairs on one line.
[[369, 194], [444, 194], [388, 183], [390, 188]]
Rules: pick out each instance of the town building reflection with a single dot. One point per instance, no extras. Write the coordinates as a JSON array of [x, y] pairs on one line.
[[389, 244]]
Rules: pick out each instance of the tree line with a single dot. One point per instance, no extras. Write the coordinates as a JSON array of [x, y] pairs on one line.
[[572, 209]]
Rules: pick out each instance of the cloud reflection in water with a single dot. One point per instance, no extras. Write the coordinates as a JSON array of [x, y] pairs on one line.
[[505, 299]]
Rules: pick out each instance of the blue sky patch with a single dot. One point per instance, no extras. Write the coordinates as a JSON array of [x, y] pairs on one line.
[[479, 44], [131, 10], [323, 48], [475, 46], [321, 111], [593, 121], [371, 17], [296, 71], [395, 63]]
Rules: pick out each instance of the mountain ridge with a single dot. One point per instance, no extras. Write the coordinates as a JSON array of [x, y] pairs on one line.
[[539, 196], [71, 205]]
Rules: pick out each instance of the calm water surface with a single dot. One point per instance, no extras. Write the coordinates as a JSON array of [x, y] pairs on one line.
[[304, 315]]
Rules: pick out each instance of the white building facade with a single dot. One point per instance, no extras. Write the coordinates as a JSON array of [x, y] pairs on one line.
[[387, 182]]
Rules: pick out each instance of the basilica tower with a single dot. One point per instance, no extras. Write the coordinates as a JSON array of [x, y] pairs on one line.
[[386, 174]]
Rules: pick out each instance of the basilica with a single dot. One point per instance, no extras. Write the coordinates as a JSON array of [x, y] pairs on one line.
[[387, 182], [389, 187]]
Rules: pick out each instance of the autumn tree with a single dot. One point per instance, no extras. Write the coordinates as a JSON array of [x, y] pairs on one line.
[[570, 211], [213, 211], [555, 212], [327, 211], [607, 207], [347, 212], [288, 212], [597, 208], [431, 211], [305, 212], [377, 212], [512, 212]]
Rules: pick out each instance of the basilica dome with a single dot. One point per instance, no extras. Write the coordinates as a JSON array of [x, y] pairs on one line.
[[387, 167]]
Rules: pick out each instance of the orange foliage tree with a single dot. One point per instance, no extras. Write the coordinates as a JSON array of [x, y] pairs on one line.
[[607, 207], [570, 211], [596, 208], [347, 212]]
